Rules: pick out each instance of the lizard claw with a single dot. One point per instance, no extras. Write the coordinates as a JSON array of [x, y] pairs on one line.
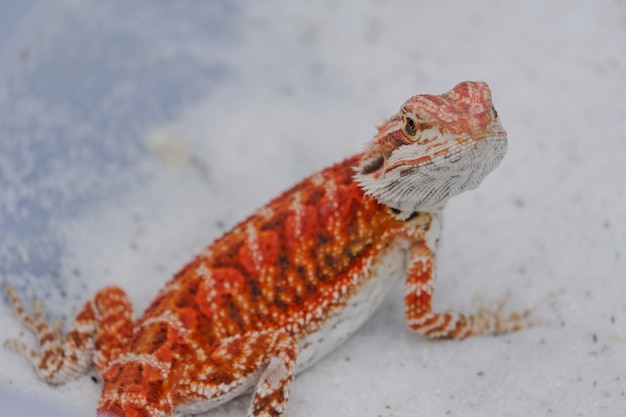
[[494, 320]]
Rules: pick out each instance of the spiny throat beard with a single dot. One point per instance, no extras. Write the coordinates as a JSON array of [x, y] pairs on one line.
[[427, 185]]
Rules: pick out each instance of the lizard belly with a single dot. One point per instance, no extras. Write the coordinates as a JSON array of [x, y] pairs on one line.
[[387, 269]]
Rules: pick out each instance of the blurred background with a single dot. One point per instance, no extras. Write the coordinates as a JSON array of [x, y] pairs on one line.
[[134, 133]]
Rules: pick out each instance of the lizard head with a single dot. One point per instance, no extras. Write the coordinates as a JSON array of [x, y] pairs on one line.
[[435, 148]]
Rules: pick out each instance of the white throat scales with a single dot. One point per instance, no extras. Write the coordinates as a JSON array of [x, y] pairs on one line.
[[427, 185]]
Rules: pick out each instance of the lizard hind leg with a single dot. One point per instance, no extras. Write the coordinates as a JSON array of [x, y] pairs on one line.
[[262, 362], [272, 391], [103, 327]]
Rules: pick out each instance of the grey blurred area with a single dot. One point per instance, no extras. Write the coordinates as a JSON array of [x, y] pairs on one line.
[[15, 403], [79, 84]]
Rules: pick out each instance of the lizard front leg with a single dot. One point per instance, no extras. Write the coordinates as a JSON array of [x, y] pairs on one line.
[[100, 332], [422, 320]]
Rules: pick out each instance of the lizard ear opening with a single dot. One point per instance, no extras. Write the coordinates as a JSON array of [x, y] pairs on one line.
[[371, 164]]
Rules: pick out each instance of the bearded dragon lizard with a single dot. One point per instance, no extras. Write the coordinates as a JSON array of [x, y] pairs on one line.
[[295, 279]]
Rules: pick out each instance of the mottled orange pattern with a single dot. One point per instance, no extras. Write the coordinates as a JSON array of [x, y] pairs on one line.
[[292, 281]]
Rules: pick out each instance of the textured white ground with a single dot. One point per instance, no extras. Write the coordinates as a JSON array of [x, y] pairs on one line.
[[547, 227]]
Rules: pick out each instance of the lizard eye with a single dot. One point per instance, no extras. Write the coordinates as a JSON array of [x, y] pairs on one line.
[[412, 128]]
